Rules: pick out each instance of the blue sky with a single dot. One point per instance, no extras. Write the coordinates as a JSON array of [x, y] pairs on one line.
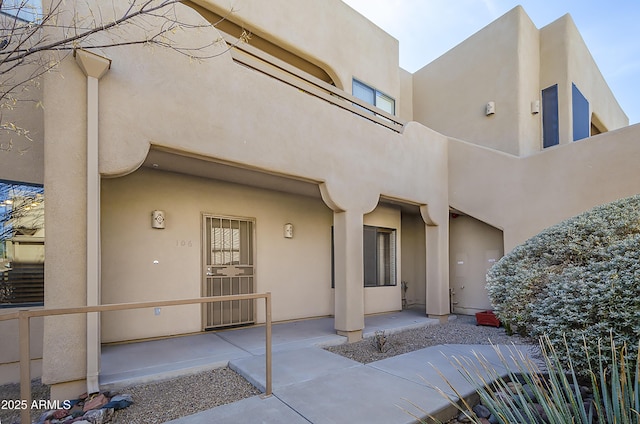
[[428, 28]]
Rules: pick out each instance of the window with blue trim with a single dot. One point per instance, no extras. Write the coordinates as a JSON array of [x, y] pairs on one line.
[[550, 127], [580, 106]]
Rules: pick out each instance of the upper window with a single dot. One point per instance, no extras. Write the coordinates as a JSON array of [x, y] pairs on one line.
[[580, 106], [21, 245], [550, 128], [27, 10], [374, 97], [379, 252]]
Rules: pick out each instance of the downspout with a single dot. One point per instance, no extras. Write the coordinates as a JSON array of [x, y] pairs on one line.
[[94, 67]]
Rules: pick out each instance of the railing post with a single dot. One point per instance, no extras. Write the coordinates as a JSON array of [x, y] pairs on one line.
[[25, 366], [24, 335], [268, 343]]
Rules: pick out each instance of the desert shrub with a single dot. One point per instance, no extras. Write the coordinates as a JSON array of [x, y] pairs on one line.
[[611, 394], [580, 277]]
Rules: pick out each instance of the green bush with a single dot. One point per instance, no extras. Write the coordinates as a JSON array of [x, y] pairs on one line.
[[578, 278]]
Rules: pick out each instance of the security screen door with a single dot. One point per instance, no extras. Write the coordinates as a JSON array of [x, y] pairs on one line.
[[228, 269]]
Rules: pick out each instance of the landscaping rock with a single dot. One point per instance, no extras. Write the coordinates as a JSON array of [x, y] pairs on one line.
[[481, 411], [96, 402], [98, 416], [464, 417]]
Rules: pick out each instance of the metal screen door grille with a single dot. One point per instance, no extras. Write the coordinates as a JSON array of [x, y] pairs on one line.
[[228, 258]]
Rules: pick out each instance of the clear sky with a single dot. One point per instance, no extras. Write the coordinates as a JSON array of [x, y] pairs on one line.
[[428, 28]]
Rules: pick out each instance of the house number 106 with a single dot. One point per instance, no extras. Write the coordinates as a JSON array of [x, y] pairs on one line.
[[184, 243]]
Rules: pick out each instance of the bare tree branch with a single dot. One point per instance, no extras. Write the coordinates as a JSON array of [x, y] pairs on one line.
[[30, 48]]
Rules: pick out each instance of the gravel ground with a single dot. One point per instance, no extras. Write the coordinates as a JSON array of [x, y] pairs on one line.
[[157, 402], [169, 399], [461, 330], [12, 392]]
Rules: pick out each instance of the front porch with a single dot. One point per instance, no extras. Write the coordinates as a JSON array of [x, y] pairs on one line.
[[132, 363]]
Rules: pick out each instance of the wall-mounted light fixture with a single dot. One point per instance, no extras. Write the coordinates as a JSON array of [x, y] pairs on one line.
[[288, 230], [535, 107], [490, 108], [157, 219]]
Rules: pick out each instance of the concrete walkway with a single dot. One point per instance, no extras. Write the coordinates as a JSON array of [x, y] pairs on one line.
[[310, 384]]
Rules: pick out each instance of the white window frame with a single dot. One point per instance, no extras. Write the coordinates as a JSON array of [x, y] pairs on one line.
[[377, 96]]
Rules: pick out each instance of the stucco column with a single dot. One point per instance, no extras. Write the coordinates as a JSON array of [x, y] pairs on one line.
[[437, 247], [349, 273], [94, 67]]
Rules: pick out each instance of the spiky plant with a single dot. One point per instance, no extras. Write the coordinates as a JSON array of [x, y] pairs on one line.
[[554, 387]]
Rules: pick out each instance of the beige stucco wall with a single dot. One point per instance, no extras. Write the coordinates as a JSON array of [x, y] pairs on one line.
[[473, 248], [315, 34], [22, 156], [514, 194], [237, 116], [300, 283], [387, 298], [499, 64], [509, 62], [230, 114], [413, 254], [9, 349], [565, 59], [405, 110]]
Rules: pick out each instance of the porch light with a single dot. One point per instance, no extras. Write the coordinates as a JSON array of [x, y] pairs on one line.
[[157, 219], [288, 230]]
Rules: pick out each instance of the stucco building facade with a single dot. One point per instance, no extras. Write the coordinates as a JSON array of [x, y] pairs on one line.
[[306, 163]]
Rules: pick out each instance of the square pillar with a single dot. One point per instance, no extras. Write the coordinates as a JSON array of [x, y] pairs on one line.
[[437, 301], [349, 274]]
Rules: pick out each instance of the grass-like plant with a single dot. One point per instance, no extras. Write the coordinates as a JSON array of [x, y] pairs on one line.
[[554, 386]]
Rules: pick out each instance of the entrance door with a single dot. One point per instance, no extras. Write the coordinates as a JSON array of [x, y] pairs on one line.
[[228, 264]]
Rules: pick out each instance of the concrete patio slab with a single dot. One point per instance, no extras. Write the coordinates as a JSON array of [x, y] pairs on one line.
[[312, 385], [285, 336], [512, 355], [394, 322], [425, 367], [159, 359], [428, 366], [361, 395], [293, 366], [256, 409]]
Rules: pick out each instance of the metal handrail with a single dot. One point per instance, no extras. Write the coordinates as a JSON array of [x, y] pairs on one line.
[[24, 316]]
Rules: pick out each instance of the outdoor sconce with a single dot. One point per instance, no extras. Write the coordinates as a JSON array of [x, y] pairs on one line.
[[490, 108], [157, 219], [288, 230], [535, 107]]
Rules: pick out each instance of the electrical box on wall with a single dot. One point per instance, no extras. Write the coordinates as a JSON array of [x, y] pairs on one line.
[[157, 219]]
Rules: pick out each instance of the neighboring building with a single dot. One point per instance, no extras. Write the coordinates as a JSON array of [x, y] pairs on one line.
[[268, 175]]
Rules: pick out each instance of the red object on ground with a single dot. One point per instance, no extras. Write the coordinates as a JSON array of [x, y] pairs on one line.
[[487, 318]]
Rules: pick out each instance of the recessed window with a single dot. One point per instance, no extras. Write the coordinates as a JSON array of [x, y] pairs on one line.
[[580, 106], [550, 128], [379, 257], [374, 97], [21, 245], [379, 252]]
